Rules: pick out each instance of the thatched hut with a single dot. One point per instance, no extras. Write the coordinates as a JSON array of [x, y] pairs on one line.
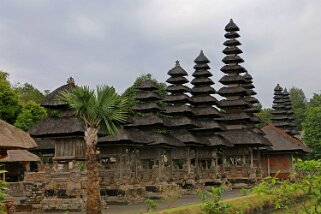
[[61, 135], [16, 163], [14, 138]]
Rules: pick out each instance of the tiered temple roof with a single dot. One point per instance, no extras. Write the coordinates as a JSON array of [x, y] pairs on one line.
[[235, 93], [63, 123], [293, 129], [238, 103], [148, 121], [203, 103], [279, 112], [178, 107]]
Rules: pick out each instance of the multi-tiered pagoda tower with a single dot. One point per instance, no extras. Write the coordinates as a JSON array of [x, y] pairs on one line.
[[203, 104], [279, 112], [238, 111], [293, 129]]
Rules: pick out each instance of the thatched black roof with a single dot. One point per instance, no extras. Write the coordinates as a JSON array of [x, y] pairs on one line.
[[282, 141], [147, 96], [233, 69], [177, 70], [235, 118], [202, 81], [188, 138], [57, 126], [206, 99], [132, 137], [53, 100], [232, 50], [230, 35], [164, 139], [44, 143], [208, 125], [201, 59], [232, 80], [177, 98], [233, 103], [232, 59], [180, 122], [238, 103], [233, 91], [147, 107], [202, 73], [14, 138], [146, 119], [203, 90], [177, 89], [245, 137], [177, 80], [148, 85], [206, 111], [231, 26], [218, 140], [178, 110]]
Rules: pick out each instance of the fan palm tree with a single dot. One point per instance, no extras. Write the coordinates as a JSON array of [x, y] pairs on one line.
[[98, 109]]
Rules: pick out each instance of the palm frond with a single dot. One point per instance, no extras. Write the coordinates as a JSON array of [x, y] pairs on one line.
[[103, 107]]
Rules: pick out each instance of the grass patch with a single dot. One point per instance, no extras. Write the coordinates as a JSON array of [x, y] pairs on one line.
[[243, 204]]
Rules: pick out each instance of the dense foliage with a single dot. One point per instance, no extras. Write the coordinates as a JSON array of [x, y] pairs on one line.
[[29, 93], [307, 183], [10, 106], [312, 130], [20, 106], [31, 114], [212, 203], [264, 115], [299, 105]]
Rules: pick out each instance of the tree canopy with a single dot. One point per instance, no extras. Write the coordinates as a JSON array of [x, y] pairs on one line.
[[312, 130], [299, 105], [31, 114], [9, 100], [20, 106], [29, 93]]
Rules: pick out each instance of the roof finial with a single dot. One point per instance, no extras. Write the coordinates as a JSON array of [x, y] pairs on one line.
[[177, 63], [71, 81]]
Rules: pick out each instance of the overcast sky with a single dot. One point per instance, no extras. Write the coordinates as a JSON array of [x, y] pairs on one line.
[[43, 42]]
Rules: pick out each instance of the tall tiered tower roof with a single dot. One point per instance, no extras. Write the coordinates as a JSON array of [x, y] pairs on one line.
[[237, 105], [293, 129], [178, 108], [203, 103], [236, 86], [202, 100], [279, 113], [148, 121]]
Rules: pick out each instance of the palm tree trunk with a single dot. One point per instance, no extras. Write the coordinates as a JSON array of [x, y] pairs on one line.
[[93, 203]]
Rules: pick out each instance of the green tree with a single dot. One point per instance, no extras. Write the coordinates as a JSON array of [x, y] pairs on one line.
[[264, 115], [98, 109], [312, 130], [299, 105], [29, 93], [9, 100], [130, 93], [315, 101], [31, 114]]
